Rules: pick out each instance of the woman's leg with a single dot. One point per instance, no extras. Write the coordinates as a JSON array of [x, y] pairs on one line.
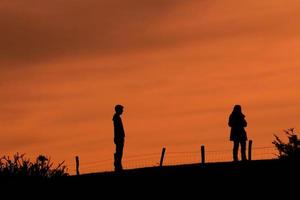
[[235, 150], [243, 150]]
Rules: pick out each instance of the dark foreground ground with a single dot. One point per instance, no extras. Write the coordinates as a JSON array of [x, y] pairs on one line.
[[255, 178]]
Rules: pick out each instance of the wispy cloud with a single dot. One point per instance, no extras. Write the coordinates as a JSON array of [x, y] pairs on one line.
[[37, 31]]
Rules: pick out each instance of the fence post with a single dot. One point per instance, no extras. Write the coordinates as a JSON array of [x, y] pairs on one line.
[[77, 165], [202, 154], [250, 150], [162, 157]]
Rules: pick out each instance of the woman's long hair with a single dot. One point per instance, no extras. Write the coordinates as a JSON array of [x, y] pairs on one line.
[[237, 111]]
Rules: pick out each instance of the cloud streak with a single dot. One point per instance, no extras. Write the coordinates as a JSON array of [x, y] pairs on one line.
[[34, 31]]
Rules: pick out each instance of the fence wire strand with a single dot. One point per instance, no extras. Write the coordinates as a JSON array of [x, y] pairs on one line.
[[171, 158]]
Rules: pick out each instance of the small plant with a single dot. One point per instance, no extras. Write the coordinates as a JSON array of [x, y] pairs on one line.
[[19, 166], [291, 149]]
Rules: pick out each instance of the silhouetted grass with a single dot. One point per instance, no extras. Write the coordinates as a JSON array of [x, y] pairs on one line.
[[290, 149], [19, 166]]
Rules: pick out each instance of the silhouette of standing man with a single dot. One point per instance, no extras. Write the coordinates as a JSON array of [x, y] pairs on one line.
[[119, 135], [238, 135]]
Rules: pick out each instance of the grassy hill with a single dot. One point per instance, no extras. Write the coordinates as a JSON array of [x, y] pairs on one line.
[[195, 179]]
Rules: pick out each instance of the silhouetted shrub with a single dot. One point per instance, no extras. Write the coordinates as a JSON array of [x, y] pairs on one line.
[[291, 149], [19, 166]]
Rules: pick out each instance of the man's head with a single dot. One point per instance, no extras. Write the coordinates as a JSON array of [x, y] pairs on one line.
[[119, 109]]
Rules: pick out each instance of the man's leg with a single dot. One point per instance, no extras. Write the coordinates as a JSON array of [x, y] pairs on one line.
[[243, 150], [116, 157], [116, 161], [119, 155], [121, 147], [235, 150]]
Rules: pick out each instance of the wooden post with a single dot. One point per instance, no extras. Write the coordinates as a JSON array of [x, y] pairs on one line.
[[250, 150], [77, 165], [162, 157], [202, 154]]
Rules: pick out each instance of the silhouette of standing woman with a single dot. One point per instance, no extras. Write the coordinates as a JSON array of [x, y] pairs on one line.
[[119, 135], [238, 134]]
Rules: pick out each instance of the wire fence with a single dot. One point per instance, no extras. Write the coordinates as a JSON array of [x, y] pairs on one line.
[[171, 158]]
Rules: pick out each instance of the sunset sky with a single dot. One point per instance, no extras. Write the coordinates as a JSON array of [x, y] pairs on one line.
[[178, 67]]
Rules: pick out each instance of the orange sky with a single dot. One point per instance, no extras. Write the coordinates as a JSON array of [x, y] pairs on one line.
[[178, 67]]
